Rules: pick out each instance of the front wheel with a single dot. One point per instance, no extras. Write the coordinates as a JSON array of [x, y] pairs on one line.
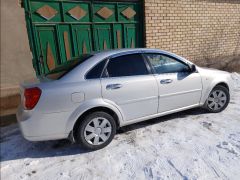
[[218, 99], [96, 131]]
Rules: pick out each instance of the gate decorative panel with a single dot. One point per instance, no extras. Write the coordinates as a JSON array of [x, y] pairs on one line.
[[60, 30], [82, 35], [48, 49]]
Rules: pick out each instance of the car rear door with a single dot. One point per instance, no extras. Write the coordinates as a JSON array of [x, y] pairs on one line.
[[178, 87], [128, 84]]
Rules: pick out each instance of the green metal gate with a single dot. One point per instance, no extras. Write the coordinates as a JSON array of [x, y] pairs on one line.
[[60, 30]]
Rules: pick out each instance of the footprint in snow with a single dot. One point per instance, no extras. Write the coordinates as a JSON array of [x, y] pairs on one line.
[[235, 137], [207, 125], [31, 173], [230, 148], [148, 173]]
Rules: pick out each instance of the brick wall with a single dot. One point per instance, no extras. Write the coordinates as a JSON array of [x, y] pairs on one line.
[[204, 31]]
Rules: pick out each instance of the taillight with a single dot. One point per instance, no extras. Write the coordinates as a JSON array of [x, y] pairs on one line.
[[31, 97]]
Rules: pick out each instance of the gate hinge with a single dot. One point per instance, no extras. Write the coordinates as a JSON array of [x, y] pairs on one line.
[[20, 2], [40, 60], [28, 13]]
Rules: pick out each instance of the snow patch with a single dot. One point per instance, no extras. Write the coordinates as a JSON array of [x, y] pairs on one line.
[[186, 145]]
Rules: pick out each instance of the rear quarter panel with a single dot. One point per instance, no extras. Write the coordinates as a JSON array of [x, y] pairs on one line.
[[56, 105]]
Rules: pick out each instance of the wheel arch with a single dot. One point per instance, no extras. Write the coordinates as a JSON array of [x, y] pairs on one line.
[[225, 87], [224, 84], [211, 86], [89, 107], [95, 109]]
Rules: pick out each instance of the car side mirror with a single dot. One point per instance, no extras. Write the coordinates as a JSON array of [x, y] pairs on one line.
[[192, 68]]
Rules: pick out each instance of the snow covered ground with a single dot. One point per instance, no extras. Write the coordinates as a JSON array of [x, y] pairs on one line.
[[186, 145]]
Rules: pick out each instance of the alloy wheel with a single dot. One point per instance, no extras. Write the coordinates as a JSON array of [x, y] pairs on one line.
[[217, 100], [97, 131]]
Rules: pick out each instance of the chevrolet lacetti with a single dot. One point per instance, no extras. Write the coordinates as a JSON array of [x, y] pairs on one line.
[[88, 98]]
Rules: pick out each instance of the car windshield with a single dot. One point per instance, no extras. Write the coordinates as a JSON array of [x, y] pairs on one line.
[[65, 68]]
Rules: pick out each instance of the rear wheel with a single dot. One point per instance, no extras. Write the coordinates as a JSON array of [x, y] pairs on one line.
[[96, 130], [218, 99]]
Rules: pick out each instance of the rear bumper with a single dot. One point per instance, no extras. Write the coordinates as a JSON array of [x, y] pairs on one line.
[[41, 127]]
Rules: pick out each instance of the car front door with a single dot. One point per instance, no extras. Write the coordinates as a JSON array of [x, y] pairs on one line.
[[178, 86], [127, 83]]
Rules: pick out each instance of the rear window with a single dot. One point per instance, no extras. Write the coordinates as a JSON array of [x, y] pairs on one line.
[[65, 68], [96, 72]]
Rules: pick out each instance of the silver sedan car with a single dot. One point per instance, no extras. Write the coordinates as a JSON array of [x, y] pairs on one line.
[[88, 98]]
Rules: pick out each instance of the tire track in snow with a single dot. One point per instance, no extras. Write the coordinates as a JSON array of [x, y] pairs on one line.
[[210, 162], [179, 172]]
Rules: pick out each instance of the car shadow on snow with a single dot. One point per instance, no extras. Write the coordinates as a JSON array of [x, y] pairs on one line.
[[14, 146], [182, 114]]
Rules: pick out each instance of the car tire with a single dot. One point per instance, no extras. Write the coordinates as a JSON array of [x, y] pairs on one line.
[[96, 131], [217, 100]]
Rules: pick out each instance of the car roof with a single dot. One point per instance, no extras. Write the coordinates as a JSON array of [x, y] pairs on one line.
[[100, 55], [108, 53], [80, 71]]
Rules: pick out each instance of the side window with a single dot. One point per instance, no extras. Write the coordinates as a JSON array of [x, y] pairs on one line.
[[96, 71], [127, 65], [165, 64]]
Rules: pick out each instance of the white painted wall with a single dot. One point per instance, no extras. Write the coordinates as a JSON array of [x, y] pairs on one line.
[[16, 59]]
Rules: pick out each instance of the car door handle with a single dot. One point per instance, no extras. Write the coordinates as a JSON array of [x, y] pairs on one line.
[[113, 86], [166, 81]]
